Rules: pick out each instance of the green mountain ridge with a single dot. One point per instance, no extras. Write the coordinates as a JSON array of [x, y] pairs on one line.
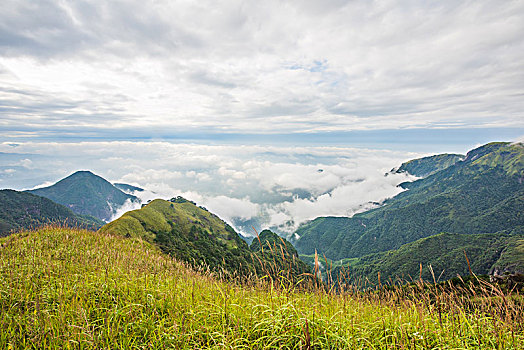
[[87, 194], [444, 254], [23, 211], [423, 167], [482, 194], [283, 255], [194, 235]]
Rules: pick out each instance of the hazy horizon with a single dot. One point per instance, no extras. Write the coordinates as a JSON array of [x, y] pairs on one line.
[[264, 186]]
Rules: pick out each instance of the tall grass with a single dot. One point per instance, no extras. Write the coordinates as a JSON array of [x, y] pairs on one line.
[[63, 288]]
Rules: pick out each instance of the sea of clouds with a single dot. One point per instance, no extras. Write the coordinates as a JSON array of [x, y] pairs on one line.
[[278, 187]]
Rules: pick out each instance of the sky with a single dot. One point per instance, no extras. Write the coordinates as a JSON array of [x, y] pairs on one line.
[[269, 112]]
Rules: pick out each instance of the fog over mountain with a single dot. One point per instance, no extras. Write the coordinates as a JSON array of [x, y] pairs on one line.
[[277, 186]]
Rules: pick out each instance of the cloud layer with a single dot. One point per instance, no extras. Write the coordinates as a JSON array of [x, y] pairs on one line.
[[161, 68], [263, 186]]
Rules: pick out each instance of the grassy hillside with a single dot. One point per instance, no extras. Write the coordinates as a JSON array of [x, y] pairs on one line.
[[21, 210], [500, 154], [87, 194], [198, 237], [62, 288], [445, 254], [482, 194], [426, 166]]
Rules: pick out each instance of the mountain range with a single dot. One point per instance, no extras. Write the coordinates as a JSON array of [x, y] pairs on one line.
[[463, 210], [481, 194], [131, 285]]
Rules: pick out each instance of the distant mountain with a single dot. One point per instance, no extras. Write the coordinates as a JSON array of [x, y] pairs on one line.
[[426, 166], [22, 211], [87, 194], [446, 254], [198, 237], [484, 193], [127, 188]]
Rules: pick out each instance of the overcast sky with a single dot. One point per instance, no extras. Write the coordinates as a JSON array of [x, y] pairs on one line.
[[158, 68], [405, 77]]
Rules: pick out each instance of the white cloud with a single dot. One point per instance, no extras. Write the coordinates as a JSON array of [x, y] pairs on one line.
[[342, 200], [229, 208], [157, 68], [45, 184], [127, 206], [26, 163], [280, 186]]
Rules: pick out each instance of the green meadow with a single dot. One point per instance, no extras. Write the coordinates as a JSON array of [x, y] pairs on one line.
[[72, 289]]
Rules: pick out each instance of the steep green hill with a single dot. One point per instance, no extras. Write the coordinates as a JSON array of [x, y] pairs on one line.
[[23, 211], [445, 254], [87, 194], [198, 237], [426, 166], [482, 194]]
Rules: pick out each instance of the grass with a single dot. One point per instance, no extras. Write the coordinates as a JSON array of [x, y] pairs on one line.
[[63, 288]]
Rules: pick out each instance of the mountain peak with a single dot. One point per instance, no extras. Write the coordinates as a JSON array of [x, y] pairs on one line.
[[85, 174], [268, 238], [86, 193], [484, 149], [508, 156], [423, 167]]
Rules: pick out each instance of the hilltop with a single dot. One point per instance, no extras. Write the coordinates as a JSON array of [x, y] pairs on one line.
[[268, 239], [23, 211], [87, 194], [279, 255], [194, 235], [423, 167]]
